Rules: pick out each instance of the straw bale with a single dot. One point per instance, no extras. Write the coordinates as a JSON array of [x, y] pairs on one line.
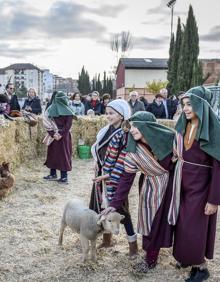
[[167, 122]]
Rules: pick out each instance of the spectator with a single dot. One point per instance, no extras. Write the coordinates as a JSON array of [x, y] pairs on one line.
[[105, 100], [13, 99], [157, 108], [32, 103], [144, 100], [134, 103], [4, 105], [76, 104], [94, 104], [170, 105]]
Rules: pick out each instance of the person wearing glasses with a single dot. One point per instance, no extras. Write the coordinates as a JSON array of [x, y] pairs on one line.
[[13, 99]]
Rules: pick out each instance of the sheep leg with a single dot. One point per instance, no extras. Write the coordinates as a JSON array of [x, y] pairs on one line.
[[62, 228], [85, 247], [93, 250]]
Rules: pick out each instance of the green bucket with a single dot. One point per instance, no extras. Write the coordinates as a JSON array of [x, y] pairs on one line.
[[84, 152]]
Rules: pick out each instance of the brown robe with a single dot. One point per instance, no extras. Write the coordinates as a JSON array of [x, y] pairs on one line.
[[195, 232], [59, 153]]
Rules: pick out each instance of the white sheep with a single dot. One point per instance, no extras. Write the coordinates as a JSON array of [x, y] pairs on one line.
[[88, 224]]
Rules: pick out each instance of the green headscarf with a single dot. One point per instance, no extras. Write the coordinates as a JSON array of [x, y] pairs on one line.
[[59, 106], [202, 92], [208, 133], [158, 137]]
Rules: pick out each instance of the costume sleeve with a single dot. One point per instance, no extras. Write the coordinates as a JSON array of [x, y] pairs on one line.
[[214, 191], [67, 126], [125, 183]]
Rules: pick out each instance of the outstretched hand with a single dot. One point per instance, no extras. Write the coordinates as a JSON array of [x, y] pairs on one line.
[[100, 178], [108, 210]]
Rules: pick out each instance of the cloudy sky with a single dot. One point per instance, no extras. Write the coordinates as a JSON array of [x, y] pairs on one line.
[[64, 35]]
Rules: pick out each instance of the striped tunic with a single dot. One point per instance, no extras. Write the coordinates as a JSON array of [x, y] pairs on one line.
[[153, 188]]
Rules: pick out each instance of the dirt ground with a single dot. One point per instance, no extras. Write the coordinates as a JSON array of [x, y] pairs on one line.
[[29, 227]]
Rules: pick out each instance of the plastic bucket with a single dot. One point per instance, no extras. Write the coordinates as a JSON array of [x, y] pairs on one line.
[[84, 152]]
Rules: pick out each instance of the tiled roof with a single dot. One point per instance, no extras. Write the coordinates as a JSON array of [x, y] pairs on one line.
[[144, 63]]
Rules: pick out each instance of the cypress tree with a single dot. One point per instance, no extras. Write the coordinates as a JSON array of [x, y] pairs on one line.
[[99, 85], [84, 82], [104, 83], [176, 55], [170, 62], [189, 53]]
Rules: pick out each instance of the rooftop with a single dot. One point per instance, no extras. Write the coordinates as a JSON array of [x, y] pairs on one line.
[[144, 63]]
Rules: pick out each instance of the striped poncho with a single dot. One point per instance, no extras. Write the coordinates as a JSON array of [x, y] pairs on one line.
[[153, 187]]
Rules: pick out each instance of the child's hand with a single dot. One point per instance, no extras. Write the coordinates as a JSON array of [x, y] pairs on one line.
[[100, 178], [210, 209]]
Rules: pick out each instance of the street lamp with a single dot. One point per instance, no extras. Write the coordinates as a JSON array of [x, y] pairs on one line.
[[171, 4]]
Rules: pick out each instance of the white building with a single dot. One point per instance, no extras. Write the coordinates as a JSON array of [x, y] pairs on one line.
[[23, 75], [48, 83], [134, 74]]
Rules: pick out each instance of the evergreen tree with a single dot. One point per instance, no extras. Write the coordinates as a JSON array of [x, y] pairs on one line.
[[84, 82], [176, 55], [170, 63], [99, 85], [197, 74], [110, 86], [104, 83], [93, 84], [189, 52]]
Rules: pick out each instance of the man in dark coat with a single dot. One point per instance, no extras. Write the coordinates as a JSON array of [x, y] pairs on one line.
[[13, 99], [157, 107], [170, 105], [134, 103]]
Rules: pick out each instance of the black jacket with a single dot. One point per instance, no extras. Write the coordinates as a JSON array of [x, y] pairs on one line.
[[157, 110], [34, 104], [171, 107], [14, 105], [97, 109]]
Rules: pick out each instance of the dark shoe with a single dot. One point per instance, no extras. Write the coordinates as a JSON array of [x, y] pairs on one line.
[[106, 241], [143, 267], [133, 249], [62, 180], [198, 275], [50, 177]]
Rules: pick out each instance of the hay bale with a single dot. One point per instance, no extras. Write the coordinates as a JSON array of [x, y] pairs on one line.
[[167, 122]]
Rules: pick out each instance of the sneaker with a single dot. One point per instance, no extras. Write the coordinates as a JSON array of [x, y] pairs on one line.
[[198, 275], [63, 180], [50, 177]]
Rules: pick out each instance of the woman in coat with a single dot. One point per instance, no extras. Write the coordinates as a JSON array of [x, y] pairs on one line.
[[149, 150], [32, 103], [196, 191], [108, 152], [59, 153], [76, 105]]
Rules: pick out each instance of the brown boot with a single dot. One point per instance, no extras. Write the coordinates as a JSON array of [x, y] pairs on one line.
[[133, 249], [106, 241]]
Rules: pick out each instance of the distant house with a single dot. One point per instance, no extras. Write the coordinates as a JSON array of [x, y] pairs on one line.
[[23, 75], [134, 74], [211, 70]]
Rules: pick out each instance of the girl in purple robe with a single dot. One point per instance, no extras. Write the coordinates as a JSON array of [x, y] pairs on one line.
[[196, 193], [149, 151], [59, 153]]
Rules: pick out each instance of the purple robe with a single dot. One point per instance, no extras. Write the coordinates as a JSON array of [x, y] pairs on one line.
[[161, 232], [195, 231], [59, 153]]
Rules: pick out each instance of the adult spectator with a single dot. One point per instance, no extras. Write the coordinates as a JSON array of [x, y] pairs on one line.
[[94, 104], [144, 100], [4, 105], [32, 103], [76, 104], [134, 103], [105, 100], [170, 105], [13, 99], [157, 107]]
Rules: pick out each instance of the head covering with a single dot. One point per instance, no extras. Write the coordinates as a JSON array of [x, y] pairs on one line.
[[201, 92], [4, 98], [59, 106], [158, 137], [121, 107], [208, 132]]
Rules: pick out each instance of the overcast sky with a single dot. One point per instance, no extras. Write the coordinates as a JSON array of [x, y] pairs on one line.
[[64, 35]]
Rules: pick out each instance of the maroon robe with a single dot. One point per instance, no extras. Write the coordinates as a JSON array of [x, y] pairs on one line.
[[59, 153], [161, 232], [195, 231]]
